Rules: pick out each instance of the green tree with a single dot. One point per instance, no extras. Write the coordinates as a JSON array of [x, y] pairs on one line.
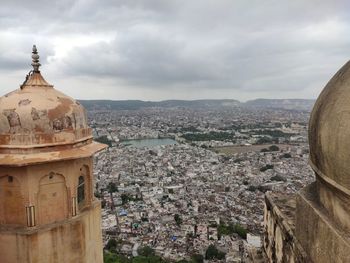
[[274, 148], [111, 257], [112, 187], [278, 178], [266, 167], [178, 219], [111, 244], [145, 251], [125, 198], [241, 231], [104, 139], [213, 253], [229, 229], [197, 258], [287, 155]]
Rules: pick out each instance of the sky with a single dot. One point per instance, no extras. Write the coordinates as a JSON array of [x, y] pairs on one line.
[[178, 49]]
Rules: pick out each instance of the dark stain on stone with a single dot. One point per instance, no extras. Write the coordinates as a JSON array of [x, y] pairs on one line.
[[12, 117], [67, 122], [24, 102], [60, 124], [57, 125], [35, 114], [64, 106], [38, 128]]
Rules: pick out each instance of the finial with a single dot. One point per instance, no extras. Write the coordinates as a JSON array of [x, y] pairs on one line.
[[35, 58]]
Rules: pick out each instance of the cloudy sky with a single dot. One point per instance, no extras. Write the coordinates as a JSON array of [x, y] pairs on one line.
[[178, 49]]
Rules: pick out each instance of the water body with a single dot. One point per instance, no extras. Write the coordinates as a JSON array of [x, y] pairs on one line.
[[149, 142]]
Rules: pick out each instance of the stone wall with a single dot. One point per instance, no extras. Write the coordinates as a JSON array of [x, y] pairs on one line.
[[280, 243], [76, 240]]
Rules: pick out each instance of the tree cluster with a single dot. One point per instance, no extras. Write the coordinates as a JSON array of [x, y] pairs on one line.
[[230, 229], [213, 253], [210, 136]]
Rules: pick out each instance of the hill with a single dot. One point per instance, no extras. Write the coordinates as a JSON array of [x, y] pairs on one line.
[[288, 104]]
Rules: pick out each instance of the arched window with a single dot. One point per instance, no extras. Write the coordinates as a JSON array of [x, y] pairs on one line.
[[52, 199], [81, 189]]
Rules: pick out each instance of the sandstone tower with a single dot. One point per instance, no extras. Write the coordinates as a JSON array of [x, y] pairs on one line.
[[48, 212], [314, 225]]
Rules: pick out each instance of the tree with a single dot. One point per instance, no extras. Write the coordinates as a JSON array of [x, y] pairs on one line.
[[111, 245], [197, 258], [109, 257], [213, 253], [266, 167], [178, 219], [251, 188], [145, 251], [125, 198], [278, 178], [242, 232], [231, 228], [287, 155], [274, 148], [104, 139], [112, 187]]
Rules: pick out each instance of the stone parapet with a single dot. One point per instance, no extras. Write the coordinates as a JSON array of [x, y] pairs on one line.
[[280, 242]]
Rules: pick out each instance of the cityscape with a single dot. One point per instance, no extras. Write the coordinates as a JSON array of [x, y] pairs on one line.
[[157, 131], [180, 180]]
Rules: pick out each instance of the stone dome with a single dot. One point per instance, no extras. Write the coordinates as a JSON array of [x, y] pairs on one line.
[[40, 124], [38, 114], [329, 132]]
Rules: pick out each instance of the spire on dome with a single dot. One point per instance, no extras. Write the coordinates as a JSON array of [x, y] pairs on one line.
[[35, 57], [34, 77]]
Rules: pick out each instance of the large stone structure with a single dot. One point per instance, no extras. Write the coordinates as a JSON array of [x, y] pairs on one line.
[[48, 212], [317, 227]]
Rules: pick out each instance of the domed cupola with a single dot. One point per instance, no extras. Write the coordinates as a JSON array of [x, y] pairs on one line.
[[38, 118], [329, 132]]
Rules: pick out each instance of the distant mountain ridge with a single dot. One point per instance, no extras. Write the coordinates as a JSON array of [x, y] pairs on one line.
[[290, 104]]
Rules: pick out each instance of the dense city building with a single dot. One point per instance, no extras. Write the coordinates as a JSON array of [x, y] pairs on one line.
[[180, 180]]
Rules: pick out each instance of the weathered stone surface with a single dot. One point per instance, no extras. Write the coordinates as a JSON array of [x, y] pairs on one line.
[[324, 240], [70, 241], [329, 129], [35, 113], [280, 243], [46, 153]]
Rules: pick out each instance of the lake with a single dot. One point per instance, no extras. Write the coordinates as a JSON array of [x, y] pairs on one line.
[[149, 142]]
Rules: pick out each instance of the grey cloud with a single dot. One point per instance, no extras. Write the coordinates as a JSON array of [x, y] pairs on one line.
[[258, 47]]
